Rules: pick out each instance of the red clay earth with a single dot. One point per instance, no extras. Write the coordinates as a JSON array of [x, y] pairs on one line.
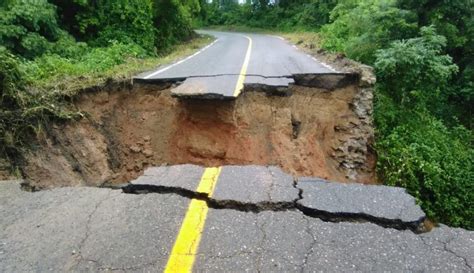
[[312, 132]]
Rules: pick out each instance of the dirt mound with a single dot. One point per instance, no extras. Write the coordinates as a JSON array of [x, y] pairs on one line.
[[309, 131]]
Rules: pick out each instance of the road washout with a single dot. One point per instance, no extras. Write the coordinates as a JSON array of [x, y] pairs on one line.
[[319, 126]]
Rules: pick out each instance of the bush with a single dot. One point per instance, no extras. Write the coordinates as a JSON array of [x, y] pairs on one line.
[[435, 164], [11, 80], [415, 149], [21, 112], [149, 23], [126, 22], [68, 47], [415, 72], [359, 28]]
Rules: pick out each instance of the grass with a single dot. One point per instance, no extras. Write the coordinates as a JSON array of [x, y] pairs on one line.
[[304, 39], [72, 77]]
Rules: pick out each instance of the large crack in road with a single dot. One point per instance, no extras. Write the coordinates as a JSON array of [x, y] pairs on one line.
[[373, 206]]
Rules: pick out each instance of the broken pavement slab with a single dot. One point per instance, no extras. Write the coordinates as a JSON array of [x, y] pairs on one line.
[[391, 206], [177, 178], [211, 87], [236, 186], [223, 86], [258, 188], [253, 187], [264, 187]]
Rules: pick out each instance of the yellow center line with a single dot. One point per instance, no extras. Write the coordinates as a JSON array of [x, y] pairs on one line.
[[243, 71], [185, 247]]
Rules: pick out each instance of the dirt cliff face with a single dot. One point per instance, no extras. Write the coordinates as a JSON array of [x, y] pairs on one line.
[[323, 131]]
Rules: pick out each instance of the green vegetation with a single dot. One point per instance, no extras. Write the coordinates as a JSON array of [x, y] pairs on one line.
[[49, 50], [416, 149], [423, 57], [288, 15], [421, 50], [22, 111]]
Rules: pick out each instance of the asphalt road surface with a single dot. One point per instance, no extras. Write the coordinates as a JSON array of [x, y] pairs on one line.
[[230, 219], [221, 69]]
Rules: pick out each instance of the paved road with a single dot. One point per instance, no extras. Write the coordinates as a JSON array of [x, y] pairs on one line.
[[221, 69], [254, 219]]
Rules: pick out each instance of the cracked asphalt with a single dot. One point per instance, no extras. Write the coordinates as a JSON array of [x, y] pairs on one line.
[[259, 220], [236, 59]]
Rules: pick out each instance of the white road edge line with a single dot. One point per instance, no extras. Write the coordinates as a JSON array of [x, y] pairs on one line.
[[324, 64], [179, 62], [278, 37]]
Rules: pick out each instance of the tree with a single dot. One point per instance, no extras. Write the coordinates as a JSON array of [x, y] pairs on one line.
[[27, 28]]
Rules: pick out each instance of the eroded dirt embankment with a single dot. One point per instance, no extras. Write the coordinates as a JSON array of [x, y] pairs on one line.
[[323, 131]]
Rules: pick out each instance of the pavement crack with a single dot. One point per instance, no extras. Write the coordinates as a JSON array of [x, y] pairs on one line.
[[260, 248], [178, 79], [250, 207], [79, 255], [212, 203], [146, 189], [447, 249], [337, 217], [261, 206], [311, 247], [300, 191], [357, 217]]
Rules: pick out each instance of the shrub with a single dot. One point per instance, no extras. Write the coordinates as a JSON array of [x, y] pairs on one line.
[[415, 149], [414, 72], [435, 164], [21, 112], [11, 79]]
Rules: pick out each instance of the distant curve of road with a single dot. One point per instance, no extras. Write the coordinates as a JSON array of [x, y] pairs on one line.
[[235, 59]]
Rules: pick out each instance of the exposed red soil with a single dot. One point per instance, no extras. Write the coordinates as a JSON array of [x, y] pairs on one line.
[[128, 128]]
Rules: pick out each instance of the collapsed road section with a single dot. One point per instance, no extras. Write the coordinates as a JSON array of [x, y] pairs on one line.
[[237, 101], [312, 132]]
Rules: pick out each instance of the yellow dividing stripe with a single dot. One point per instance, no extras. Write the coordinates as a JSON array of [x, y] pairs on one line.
[[243, 71], [185, 247]]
